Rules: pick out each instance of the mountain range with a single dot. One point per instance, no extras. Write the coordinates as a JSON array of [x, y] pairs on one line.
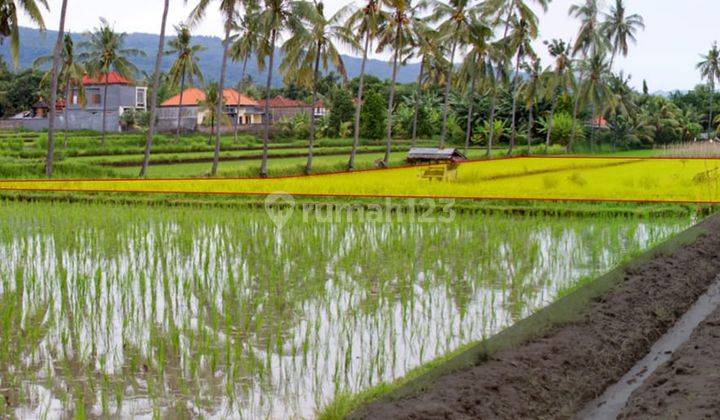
[[34, 44]]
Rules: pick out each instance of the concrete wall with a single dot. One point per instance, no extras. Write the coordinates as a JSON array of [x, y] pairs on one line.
[[78, 119]]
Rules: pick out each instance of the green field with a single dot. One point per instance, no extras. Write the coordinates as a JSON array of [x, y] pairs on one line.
[[172, 312]]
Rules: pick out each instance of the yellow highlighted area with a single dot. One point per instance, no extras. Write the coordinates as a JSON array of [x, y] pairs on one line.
[[613, 179]]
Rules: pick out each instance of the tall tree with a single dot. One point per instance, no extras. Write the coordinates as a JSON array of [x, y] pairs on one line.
[[530, 92], [55, 72], [9, 25], [397, 34], [595, 89], [104, 52], [229, 12], [589, 41], [365, 22], [560, 81], [185, 68], [276, 17], [313, 45], [519, 43], [430, 53], [471, 68], [246, 42], [154, 96], [620, 29], [456, 18], [709, 67]]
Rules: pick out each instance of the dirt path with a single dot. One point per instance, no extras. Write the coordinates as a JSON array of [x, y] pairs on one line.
[[688, 386], [557, 374]]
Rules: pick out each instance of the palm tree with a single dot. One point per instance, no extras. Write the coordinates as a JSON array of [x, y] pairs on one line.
[[506, 11], [9, 25], [620, 28], [595, 89], [561, 80], [71, 73], [478, 38], [55, 72], [365, 22], [456, 18], [530, 91], [519, 41], [228, 10], [430, 53], [589, 41], [154, 97], [276, 17], [495, 76], [246, 43], [709, 68], [312, 45], [104, 52], [213, 98], [185, 68], [397, 33], [248, 39]]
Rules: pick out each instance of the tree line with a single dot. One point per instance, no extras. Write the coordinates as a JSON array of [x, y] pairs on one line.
[[480, 80]]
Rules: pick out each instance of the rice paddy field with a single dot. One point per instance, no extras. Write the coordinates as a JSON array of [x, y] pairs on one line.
[[685, 180], [220, 312]]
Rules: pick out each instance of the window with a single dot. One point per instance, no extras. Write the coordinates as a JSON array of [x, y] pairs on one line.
[[96, 99], [141, 98]]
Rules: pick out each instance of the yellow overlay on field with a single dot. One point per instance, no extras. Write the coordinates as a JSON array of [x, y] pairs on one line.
[[531, 178]]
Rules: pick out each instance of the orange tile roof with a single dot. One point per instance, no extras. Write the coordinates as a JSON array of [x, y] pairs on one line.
[[194, 96], [282, 102], [113, 78]]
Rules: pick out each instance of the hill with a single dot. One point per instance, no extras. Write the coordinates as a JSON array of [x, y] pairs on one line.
[[34, 44]]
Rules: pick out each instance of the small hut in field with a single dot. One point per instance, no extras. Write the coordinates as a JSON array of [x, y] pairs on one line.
[[443, 162]]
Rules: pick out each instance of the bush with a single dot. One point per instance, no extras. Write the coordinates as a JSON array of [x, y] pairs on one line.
[[373, 116]]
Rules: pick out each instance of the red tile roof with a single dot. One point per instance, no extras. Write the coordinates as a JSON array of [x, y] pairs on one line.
[[281, 102], [599, 122], [194, 96], [113, 78]]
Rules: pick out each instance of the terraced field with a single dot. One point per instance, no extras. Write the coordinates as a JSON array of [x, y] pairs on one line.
[[536, 178]]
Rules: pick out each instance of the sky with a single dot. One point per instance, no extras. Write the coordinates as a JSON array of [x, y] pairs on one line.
[[665, 54]]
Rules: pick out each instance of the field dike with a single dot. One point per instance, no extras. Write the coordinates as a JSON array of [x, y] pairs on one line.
[[554, 362]]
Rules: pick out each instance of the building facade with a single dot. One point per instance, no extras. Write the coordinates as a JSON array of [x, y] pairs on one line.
[[122, 95]]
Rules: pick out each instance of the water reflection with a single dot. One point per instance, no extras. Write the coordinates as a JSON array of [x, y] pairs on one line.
[[216, 313]]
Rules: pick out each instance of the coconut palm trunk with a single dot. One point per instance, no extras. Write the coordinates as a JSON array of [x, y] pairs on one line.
[[513, 118], [266, 135], [391, 101], [53, 92], [593, 124], [417, 102], [358, 104], [221, 99], [551, 121], [531, 122], [710, 121], [493, 104], [242, 77], [316, 73], [468, 128], [104, 108], [154, 97], [446, 104], [180, 108], [574, 125], [65, 111]]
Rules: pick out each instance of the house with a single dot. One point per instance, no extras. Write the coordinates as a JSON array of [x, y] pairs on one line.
[[122, 95], [282, 108], [599, 123], [319, 109], [241, 110]]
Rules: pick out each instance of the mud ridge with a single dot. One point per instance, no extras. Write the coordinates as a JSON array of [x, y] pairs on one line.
[[556, 374]]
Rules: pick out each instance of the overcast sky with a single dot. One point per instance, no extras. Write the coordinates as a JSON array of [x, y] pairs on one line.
[[665, 54]]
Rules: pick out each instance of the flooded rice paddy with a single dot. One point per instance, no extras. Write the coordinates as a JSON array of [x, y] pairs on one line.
[[156, 311]]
